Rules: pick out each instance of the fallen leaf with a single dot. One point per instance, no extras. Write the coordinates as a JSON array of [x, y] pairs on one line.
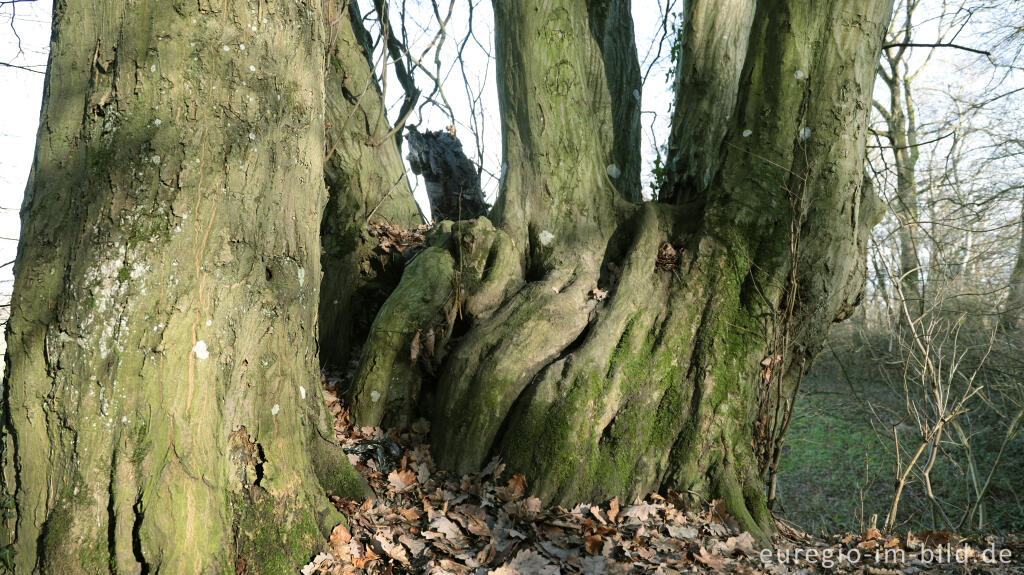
[[401, 480], [316, 564], [613, 509], [640, 511], [742, 543], [340, 534], [594, 545], [410, 514], [532, 563], [681, 531], [708, 559]]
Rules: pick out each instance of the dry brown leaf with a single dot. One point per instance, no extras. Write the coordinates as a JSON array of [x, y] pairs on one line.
[[613, 509], [641, 511], [742, 543], [681, 531], [530, 562], [708, 559], [594, 545], [517, 483], [401, 480], [340, 534], [368, 556], [717, 529], [410, 513], [934, 538]]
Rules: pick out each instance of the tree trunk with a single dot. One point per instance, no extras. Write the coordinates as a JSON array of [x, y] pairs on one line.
[[1012, 317], [901, 126], [606, 348], [366, 181], [161, 410]]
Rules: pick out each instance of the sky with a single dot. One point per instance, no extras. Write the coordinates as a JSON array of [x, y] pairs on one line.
[[24, 41], [20, 95]]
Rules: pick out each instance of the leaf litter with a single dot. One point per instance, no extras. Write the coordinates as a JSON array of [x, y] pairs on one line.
[[425, 520]]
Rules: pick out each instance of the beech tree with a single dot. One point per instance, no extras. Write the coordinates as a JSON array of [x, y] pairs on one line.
[[160, 408]]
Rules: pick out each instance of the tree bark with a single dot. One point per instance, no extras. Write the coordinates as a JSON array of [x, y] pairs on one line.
[[1012, 317], [366, 181], [606, 348], [161, 410]]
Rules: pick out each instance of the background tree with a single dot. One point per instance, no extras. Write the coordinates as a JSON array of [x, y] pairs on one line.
[[926, 363]]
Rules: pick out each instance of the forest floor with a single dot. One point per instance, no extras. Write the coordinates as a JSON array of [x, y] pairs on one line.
[[427, 521], [838, 463]]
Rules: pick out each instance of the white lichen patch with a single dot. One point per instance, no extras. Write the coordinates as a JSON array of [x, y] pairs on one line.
[[375, 396], [546, 237], [200, 350], [302, 392], [275, 410], [302, 276], [252, 136], [209, 323], [613, 171], [747, 133], [805, 133], [799, 75]]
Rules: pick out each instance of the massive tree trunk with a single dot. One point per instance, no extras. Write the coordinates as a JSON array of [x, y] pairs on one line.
[[606, 348], [161, 410]]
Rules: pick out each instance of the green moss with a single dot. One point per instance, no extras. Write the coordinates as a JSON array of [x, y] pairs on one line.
[[334, 471], [273, 535], [61, 548], [141, 443]]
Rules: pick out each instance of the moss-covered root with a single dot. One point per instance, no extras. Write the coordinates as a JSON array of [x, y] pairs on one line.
[[334, 471], [466, 270], [745, 500], [274, 534]]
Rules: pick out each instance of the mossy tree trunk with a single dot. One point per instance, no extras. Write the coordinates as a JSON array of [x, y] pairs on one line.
[[161, 410], [557, 341], [366, 181]]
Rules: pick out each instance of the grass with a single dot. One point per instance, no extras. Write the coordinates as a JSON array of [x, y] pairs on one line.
[[838, 464]]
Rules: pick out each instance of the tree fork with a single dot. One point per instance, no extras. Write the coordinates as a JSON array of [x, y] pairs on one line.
[[629, 352]]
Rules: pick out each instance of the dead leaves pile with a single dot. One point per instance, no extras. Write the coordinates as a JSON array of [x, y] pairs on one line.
[[428, 521], [394, 239], [668, 257]]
